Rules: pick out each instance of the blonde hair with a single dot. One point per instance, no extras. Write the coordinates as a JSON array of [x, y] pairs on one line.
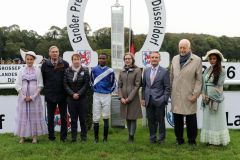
[[52, 48]]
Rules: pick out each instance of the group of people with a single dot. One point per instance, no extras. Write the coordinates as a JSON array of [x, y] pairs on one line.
[[14, 61], [65, 86]]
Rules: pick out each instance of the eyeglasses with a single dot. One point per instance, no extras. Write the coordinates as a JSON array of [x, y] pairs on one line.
[[154, 57]]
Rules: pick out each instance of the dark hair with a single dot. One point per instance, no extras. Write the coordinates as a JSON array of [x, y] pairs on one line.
[[217, 68], [104, 54], [129, 54], [156, 53]]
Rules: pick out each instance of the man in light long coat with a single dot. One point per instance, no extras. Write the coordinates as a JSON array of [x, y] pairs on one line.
[[186, 83]]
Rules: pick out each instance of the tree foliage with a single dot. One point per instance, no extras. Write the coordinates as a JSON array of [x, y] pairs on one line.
[[12, 38]]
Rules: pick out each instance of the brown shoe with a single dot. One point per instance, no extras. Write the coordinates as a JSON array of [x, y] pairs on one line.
[[21, 140], [34, 139]]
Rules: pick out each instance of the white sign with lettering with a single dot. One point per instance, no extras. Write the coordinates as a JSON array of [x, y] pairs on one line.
[[76, 33], [156, 32], [232, 69]]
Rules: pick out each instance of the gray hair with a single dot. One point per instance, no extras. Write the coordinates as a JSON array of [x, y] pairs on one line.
[[52, 48], [156, 52], [185, 41]]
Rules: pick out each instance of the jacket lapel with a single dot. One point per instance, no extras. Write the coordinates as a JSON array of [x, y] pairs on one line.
[[148, 72]]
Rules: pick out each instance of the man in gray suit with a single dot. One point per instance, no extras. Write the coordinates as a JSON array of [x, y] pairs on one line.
[[155, 95]]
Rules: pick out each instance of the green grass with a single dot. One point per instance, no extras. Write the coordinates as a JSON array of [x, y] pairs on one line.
[[116, 148]]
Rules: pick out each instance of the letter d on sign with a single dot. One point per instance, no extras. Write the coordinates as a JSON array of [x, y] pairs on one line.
[[1, 120]]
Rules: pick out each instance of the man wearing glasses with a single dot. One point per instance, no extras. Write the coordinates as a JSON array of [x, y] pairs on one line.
[[103, 83]]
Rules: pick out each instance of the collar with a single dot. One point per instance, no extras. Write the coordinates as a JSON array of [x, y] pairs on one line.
[[152, 68], [50, 62], [104, 67], [54, 61]]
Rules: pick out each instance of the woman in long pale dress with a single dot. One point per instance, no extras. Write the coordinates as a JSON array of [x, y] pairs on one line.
[[29, 120], [214, 130]]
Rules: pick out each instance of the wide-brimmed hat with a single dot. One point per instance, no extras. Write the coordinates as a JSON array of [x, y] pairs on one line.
[[214, 51], [38, 58]]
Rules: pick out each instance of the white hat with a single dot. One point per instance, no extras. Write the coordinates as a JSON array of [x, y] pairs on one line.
[[38, 58], [214, 51]]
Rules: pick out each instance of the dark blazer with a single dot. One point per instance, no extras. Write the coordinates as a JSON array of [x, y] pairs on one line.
[[159, 90], [53, 80], [80, 85]]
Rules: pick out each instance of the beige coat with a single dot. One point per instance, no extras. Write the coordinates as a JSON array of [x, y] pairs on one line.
[[185, 82], [128, 87]]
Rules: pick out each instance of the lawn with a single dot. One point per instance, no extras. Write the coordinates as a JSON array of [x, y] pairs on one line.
[[116, 148]]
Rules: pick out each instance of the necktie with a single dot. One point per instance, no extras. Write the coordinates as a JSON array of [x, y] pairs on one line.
[[153, 74]]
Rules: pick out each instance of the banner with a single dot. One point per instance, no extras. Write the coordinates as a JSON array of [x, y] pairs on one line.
[[232, 108], [76, 33]]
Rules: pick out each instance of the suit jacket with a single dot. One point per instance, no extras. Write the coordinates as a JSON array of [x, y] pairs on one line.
[[159, 90], [185, 82], [80, 85], [53, 80]]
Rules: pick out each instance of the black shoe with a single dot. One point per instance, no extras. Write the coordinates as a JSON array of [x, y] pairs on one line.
[[63, 140], [192, 143], [96, 140], [161, 141], [130, 139], [52, 138], [74, 141], [153, 141], [104, 140], [83, 139], [180, 142]]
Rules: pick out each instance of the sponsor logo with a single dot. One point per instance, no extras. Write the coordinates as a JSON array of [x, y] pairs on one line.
[[146, 58], [85, 57]]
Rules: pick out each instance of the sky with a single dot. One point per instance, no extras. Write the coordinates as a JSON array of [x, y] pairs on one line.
[[214, 17]]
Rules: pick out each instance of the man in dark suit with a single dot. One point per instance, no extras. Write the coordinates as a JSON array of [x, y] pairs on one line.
[[55, 95], [155, 95]]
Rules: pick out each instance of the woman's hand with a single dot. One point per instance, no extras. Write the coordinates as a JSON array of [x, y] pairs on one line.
[[123, 101], [76, 96], [28, 99], [205, 98]]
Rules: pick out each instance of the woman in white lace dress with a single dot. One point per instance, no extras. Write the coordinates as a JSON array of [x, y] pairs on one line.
[[214, 130]]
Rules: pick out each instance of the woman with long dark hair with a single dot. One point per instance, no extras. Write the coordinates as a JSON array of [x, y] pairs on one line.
[[214, 130]]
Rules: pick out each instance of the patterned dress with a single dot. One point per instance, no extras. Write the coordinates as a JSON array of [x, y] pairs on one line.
[[29, 120], [214, 130]]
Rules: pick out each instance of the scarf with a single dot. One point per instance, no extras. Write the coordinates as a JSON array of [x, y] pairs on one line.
[[129, 68], [75, 70], [183, 59]]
